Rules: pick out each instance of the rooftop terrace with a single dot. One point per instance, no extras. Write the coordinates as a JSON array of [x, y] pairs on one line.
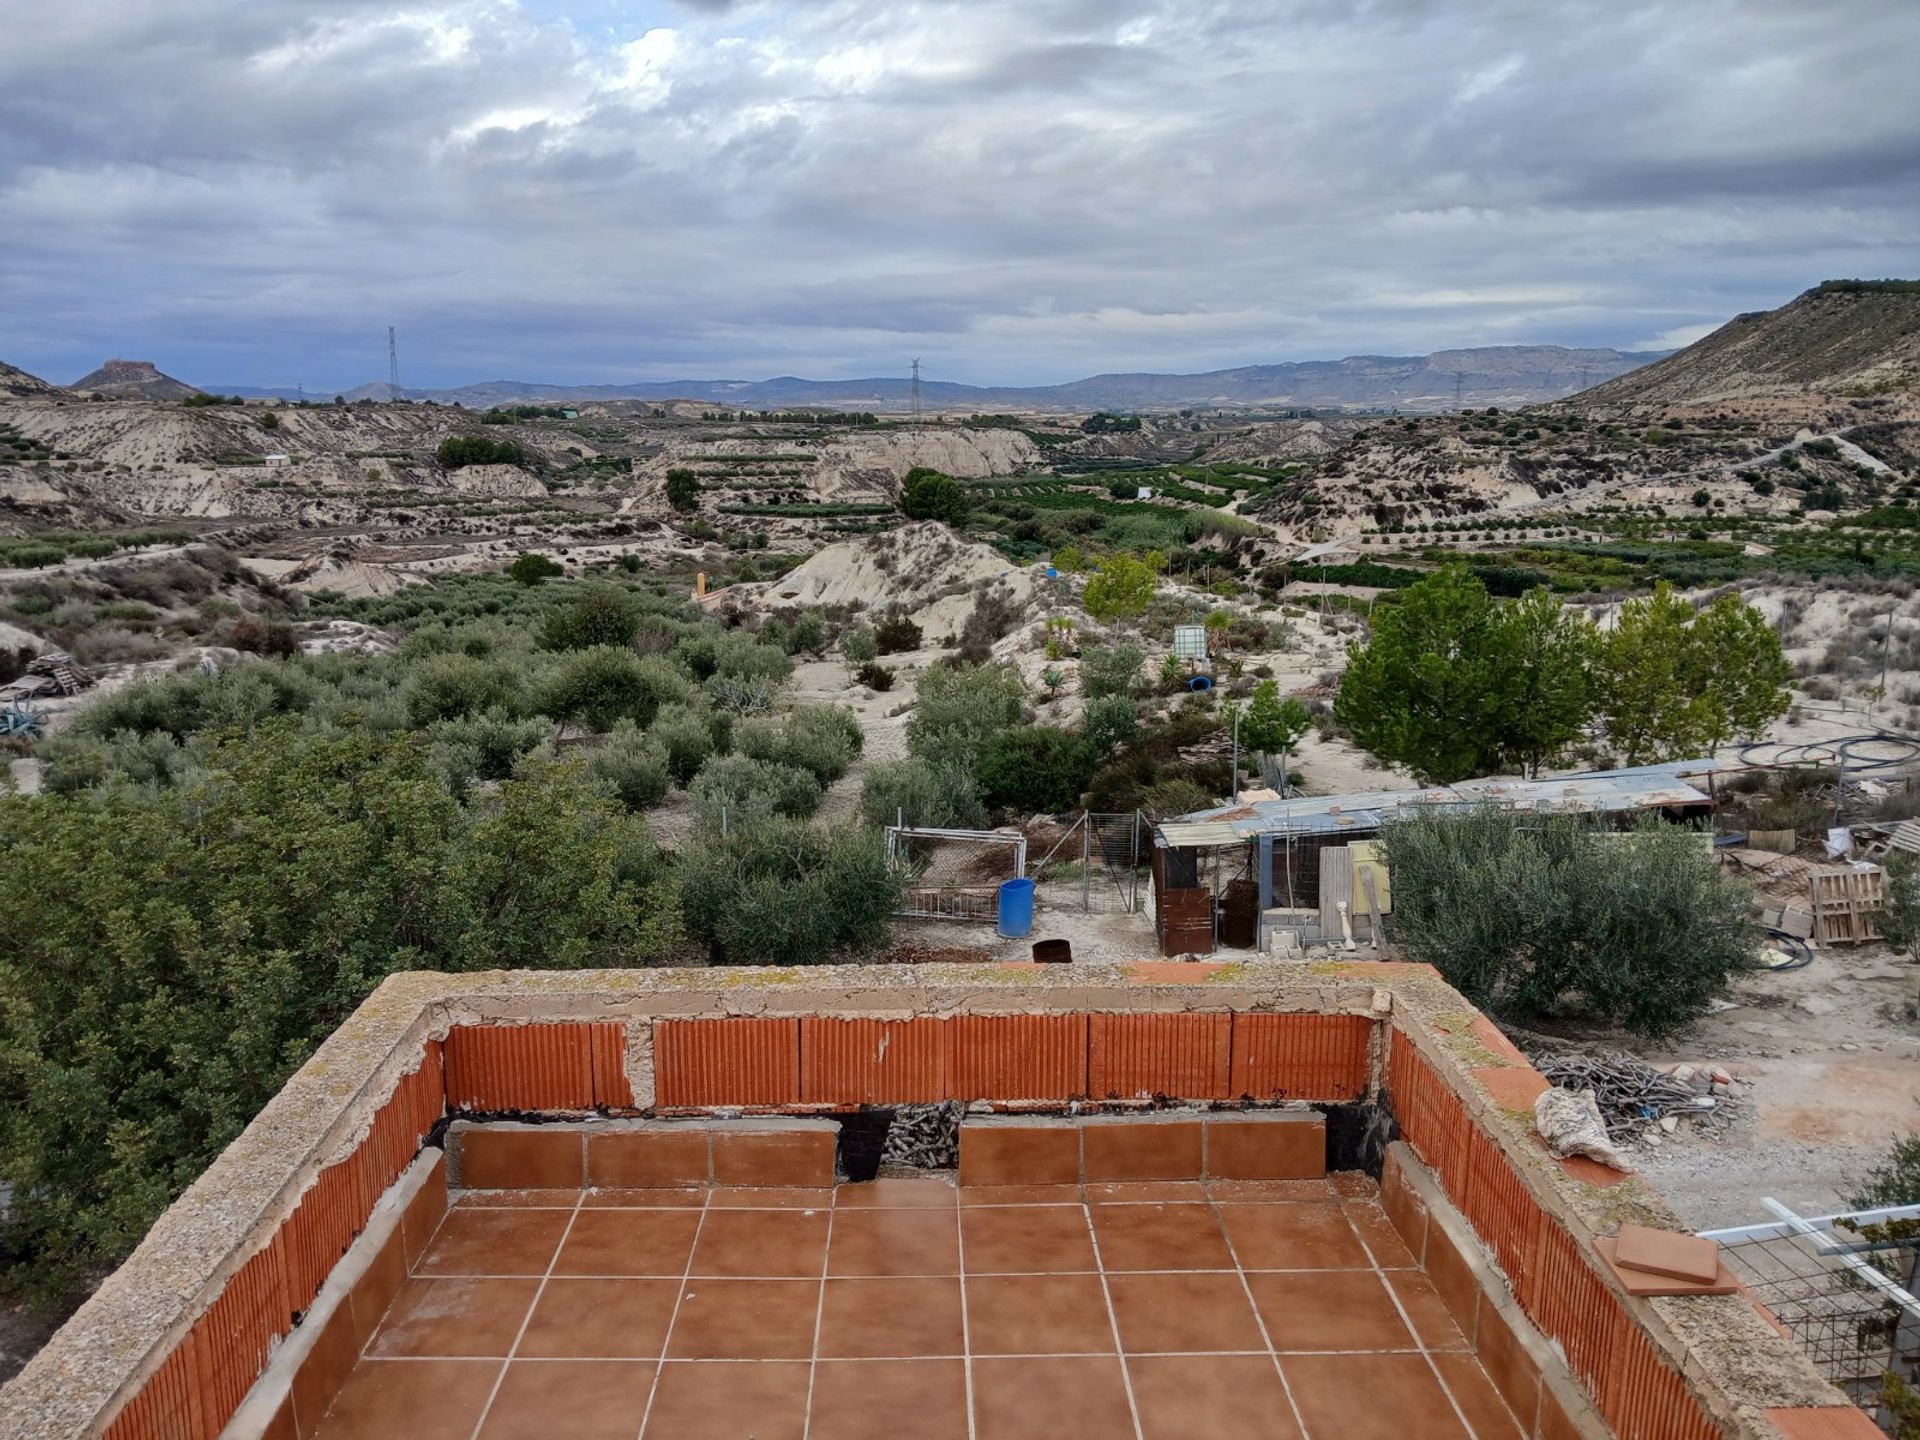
[[1277, 1199]]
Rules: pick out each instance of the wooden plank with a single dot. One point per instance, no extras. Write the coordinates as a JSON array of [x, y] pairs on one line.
[[1336, 885], [1847, 904]]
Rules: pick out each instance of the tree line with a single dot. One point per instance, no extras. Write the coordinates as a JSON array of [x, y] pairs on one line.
[[1453, 684]]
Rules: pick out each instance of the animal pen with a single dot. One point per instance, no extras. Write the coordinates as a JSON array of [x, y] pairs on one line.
[[1091, 864]]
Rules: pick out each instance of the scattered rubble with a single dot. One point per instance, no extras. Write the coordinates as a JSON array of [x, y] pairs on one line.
[[1637, 1100]]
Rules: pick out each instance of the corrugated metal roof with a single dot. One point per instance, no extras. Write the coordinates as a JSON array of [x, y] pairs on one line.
[[1643, 787]]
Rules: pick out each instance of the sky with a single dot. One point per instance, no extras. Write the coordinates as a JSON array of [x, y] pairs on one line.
[[1016, 191]]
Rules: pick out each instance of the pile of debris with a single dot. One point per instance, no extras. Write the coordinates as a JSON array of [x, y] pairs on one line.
[[47, 675], [1641, 1101]]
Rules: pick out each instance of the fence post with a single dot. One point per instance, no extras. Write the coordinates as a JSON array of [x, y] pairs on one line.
[[1133, 870], [1086, 867]]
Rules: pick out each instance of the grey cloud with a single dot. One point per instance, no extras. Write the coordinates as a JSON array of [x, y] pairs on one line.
[[1019, 189]]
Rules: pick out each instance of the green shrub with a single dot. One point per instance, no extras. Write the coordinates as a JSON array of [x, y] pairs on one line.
[[874, 676], [598, 615], [1036, 768], [823, 740], [596, 687], [687, 735], [778, 892], [858, 645], [748, 790], [483, 746], [1109, 722], [457, 451], [633, 765], [447, 687], [897, 634], [928, 795], [1111, 670], [530, 567], [1547, 914], [172, 957], [958, 708], [929, 495], [683, 489]]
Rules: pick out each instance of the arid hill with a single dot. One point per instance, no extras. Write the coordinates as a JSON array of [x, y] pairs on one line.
[[134, 380], [1842, 338], [18, 382]]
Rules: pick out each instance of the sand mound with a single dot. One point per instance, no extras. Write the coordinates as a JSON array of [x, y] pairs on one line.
[[921, 568]]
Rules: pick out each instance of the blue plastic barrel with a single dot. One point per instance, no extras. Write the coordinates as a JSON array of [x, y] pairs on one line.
[[1200, 683], [1016, 909]]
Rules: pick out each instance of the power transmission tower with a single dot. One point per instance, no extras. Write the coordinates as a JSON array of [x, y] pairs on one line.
[[913, 400], [393, 366]]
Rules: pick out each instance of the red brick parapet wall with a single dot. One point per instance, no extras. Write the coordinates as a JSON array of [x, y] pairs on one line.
[[178, 1334]]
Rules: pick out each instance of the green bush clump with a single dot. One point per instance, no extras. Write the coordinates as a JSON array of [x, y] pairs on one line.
[[958, 708], [823, 740], [1548, 915], [457, 451], [935, 796], [896, 634], [778, 892], [1036, 768], [598, 615], [744, 790], [859, 645], [174, 955], [594, 688], [689, 734], [633, 765], [1110, 722]]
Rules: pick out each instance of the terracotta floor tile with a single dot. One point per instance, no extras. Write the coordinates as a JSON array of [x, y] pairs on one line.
[[600, 1319], [1025, 1239], [494, 1242], [420, 1399], [1160, 1237], [896, 1194], [891, 1318], [745, 1320], [629, 1242], [749, 1197], [474, 1318], [1269, 1191], [1473, 1392], [580, 1399], [1307, 1236], [729, 1402], [872, 1400], [895, 1242], [1328, 1310], [1199, 1310], [1371, 1397], [1145, 1192], [1038, 1315], [515, 1199], [1082, 1397], [1020, 1195], [786, 1244], [1219, 1397], [1370, 1222], [1431, 1319], [663, 1198]]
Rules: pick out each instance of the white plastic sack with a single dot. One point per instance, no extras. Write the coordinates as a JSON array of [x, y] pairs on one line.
[[1569, 1121]]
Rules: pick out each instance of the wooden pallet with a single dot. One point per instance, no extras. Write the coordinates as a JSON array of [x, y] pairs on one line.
[[1847, 905]]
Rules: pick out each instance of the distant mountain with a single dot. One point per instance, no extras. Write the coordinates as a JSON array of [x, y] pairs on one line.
[[1495, 375], [134, 380], [1843, 337], [19, 383]]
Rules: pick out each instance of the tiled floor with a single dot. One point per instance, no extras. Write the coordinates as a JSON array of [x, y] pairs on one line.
[[1275, 1310]]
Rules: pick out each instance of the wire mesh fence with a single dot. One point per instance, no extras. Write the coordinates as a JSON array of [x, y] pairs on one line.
[[1843, 1287]]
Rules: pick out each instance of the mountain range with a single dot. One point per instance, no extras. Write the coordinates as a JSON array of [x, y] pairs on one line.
[[1493, 375]]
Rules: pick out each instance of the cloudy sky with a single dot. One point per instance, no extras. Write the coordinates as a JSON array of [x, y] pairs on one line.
[[1022, 191]]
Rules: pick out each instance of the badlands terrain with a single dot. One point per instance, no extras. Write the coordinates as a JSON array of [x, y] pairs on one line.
[[143, 530]]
